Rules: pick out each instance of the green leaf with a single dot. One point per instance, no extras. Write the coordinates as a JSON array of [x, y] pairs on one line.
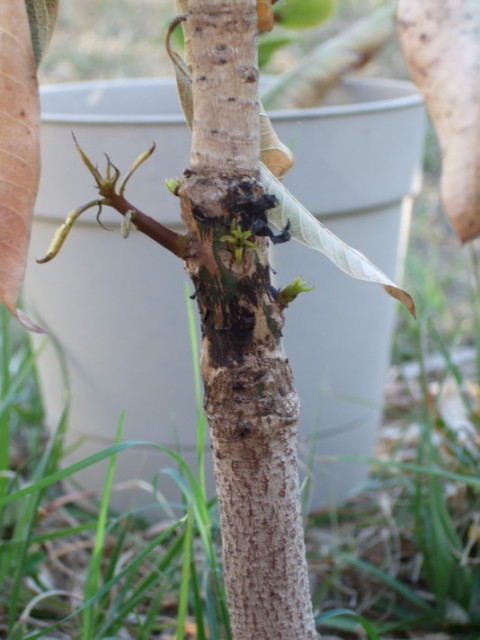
[[268, 43], [303, 14], [360, 620], [42, 15], [401, 588], [94, 569]]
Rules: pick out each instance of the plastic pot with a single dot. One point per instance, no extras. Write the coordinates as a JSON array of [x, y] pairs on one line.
[[117, 307]]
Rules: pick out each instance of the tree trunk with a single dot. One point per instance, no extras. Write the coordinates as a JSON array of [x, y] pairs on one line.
[[250, 401]]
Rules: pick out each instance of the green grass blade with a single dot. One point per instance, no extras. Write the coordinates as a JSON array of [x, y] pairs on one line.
[[66, 472], [203, 522], [26, 522], [197, 603], [132, 566], [150, 618], [367, 626], [195, 497], [4, 389], [95, 564], [199, 507], [475, 304], [211, 605], [452, 368], [124, 525], [199, 519], [185, 577], [201, 418], [8, 546], [129, 597], [391, 582], [422, 469]]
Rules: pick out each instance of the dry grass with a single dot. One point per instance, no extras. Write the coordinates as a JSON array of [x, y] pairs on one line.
[[107, 39]]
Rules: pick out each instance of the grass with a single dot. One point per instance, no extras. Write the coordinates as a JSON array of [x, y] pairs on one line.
[[399, 562], [127, 575], [406, 551]]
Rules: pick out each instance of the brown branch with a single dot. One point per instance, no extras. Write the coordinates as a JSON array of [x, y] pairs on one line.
[[179, 244]]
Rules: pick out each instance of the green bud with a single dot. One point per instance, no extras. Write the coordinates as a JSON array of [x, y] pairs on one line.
[[291, 291], [173, 184]]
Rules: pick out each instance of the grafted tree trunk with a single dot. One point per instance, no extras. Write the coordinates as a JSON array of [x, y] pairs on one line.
[[250, 401]]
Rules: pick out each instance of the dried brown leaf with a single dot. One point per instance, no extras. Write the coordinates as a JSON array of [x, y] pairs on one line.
[[276, 156], [19, 149], [441, 44]]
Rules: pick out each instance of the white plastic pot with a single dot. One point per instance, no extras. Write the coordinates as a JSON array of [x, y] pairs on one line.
[[117, 307]]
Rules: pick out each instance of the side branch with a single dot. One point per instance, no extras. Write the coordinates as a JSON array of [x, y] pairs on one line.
[[113, 196], [179, 244]]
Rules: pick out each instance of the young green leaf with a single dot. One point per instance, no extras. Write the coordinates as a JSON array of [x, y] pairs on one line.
[[307, 230], [303, 14], [19, 150], [441, 44], [268, 43]]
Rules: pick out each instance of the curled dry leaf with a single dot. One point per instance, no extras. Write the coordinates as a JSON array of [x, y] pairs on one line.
[[441, 44], [265, 19], [307, 230], [274, 153], [19, 149]]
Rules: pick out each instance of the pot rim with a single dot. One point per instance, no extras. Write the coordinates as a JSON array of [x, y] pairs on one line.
[[408, 98]]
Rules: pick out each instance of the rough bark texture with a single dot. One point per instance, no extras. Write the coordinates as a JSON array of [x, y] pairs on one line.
[[251, 404]]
